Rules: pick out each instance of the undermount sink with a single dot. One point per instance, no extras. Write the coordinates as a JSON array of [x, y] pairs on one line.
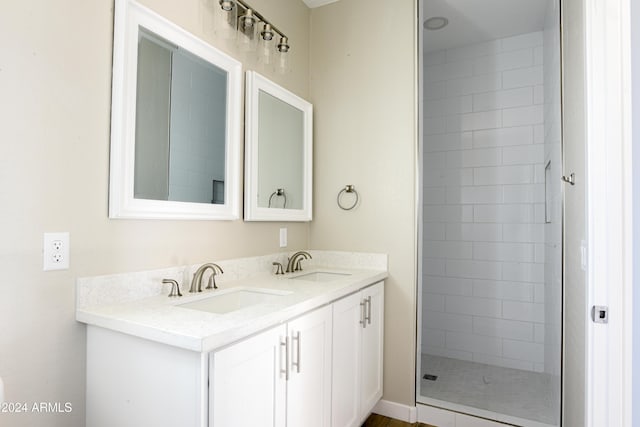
[[321, 276], [234, 300]]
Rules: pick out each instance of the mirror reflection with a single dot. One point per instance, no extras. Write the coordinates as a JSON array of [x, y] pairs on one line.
[[180, 124], [280, 153]]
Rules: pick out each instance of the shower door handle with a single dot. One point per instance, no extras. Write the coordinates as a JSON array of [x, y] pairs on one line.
[[571, 179]]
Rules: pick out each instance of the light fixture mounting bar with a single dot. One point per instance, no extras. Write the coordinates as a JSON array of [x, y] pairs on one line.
[[258, 15]]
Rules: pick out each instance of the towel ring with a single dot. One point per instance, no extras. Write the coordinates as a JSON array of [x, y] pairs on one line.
[[347, 189], [280, 193]]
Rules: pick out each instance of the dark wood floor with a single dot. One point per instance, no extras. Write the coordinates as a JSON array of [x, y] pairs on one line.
[[376, 420]]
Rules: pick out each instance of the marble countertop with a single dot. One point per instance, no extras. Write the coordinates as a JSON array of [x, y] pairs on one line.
[[162, 319]]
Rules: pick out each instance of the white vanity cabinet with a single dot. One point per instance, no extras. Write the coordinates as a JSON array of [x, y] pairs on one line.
[[278, 377], [358, 323]]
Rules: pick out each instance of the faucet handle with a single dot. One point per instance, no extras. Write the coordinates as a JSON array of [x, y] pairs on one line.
[[212, 282], [279, 269], [175, 288]]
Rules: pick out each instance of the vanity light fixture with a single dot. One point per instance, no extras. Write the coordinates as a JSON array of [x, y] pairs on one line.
[[247, 28]]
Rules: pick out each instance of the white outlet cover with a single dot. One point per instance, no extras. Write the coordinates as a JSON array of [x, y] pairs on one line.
[[55, 251], [283, 237]]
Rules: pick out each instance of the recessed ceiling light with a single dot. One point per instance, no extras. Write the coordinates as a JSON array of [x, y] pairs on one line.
[[436, 23]]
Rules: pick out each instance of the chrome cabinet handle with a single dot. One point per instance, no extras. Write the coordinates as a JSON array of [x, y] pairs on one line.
[[284, 371], [368, 316], [296, 363], [363, 316]]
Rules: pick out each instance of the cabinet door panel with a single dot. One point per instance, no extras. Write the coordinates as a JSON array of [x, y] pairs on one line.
[[372, 339], [345, 398], [309, 390], [246, 387]]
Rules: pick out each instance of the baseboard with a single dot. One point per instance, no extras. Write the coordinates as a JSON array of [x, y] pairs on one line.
[[395, 410]]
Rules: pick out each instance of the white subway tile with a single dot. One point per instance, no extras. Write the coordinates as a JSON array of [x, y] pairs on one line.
[[522, 41], [538, 94], [444, 352], [523, 272], [433, 338], [447, 106], [448, 142], [449, 249], [503, 328], [448, 177], [503, 137], [473, 51], [473, 343], [527, 193], [474, 158], [433, 231], [538, 293], [448, 71], [433, 302], [539, 252], [435, 160], [539, 333], [435, 90], [525, 233], [503, 61], [524, 311], [473, 232], [532, 352], [503, 175], [434, 195], [538, 173], [503, 213], [493, 251], [448, 213], [514, 291], [538, 55], [474, 195], [538, 134], [448, 321], [509, 98], [474, 121], [434, 125], [434, 58], [448, 285], [521, 116], [501, 361], [523, 155], [435, 267], [522, 77], [475, 84], [473, 269]]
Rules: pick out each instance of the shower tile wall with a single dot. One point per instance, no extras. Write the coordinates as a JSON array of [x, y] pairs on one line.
[[484, 213]]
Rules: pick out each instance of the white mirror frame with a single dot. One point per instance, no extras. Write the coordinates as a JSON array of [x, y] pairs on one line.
[[252, 212], [129, 16]]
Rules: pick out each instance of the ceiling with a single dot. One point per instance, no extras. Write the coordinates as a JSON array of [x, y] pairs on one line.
[[473, 21], [317, 3]]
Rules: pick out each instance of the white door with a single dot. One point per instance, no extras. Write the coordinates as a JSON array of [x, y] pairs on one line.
[[372, 338], [347, 327], [309, 385], [246, 386]]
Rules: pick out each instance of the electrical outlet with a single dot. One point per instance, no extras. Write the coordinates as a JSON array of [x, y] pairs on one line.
[[55, 251]]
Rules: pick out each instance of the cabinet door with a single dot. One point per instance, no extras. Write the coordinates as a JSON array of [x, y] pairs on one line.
[[246, 386], [372, 339], [309, 385], [345, 396]]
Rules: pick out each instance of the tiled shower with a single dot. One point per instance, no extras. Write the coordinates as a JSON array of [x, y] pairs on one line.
[[491, 243]]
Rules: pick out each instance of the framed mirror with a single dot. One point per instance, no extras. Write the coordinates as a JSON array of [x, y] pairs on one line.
[[278, 153], [175, 123]]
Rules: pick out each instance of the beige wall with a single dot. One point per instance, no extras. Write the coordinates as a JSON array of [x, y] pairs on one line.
[[55, 83], [363, 86]]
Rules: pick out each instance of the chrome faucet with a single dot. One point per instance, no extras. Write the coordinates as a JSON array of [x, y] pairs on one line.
[[196, 282], [294, 261]]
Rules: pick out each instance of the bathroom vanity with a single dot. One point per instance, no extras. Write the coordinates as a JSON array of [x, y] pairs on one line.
[[299, 349]]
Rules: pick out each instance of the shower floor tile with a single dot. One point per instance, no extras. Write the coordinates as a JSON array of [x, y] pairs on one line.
[[517, 393]]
